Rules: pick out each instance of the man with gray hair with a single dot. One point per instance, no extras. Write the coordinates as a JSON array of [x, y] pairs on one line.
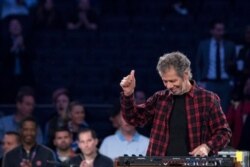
[[186, 119]]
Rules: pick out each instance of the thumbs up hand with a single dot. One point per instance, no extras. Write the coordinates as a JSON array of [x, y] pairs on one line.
[[128, 83]]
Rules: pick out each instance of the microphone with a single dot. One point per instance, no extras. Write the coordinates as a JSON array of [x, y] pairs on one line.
[[61, 164]]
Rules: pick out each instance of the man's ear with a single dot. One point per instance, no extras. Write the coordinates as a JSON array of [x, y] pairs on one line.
[[186, 75]]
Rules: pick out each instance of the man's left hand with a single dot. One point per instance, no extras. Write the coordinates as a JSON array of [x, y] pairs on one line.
[[202, 150]]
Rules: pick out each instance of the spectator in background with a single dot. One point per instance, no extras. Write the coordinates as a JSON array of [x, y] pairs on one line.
[[243, 62], [84, 18], [76, 113], [62, 142], [16, 7], [238, 117], [180, 6], [10, 140], [115, 115], [125, 141], [61, 99], [215, 63], [29, 153], [25, 103], [46, 16], [89, 157], [140, 97], [16, 59]]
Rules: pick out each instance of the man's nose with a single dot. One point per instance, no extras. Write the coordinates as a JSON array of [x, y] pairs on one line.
[[169, 85]]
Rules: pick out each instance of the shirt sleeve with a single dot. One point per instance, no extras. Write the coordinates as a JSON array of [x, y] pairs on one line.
[[52, 158], [137, 115], [6, 161], [221, 133], [104, 148]]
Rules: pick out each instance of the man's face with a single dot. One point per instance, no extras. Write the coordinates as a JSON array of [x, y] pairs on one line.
[[62, 103], [15, 27], [77, 114], [28, 132], [173, 82], [87, 143], [26, 106], [9, 142], [63, 140], [218, 31]]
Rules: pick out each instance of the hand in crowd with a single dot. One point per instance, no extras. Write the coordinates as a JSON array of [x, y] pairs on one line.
[[128, 83], [25, 163], [85, 164], [201, 150]]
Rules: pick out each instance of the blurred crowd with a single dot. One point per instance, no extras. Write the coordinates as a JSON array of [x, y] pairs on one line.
[[220, 66]]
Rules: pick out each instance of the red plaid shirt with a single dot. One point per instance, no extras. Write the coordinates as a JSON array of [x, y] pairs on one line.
[[206, 120]]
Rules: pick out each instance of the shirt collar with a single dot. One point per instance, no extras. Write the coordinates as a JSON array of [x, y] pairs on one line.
[[213, 41], [192, 90], [32, 148], [135, 137], [97, 156]]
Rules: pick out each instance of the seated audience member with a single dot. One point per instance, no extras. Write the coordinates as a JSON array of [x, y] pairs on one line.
[[84, 18], [125, 141], [25, 103], [238, 116], [61, 99], [76, 121], [89, 157], [29, 153], [10, 141], [243, 60], [46, 16], [16, 57], [62, 142], [115, 115]]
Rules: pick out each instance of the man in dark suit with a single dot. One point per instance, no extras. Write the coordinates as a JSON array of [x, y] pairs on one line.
[[16, 62], [215, 63]]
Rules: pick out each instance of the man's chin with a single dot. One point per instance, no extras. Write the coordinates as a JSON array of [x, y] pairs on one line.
[[30, 142], [64, 148]]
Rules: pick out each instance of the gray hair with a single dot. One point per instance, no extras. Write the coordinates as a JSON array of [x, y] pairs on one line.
[[175, 60]]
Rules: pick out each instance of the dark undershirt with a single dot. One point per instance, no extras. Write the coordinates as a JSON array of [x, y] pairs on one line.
[[178, 136]]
